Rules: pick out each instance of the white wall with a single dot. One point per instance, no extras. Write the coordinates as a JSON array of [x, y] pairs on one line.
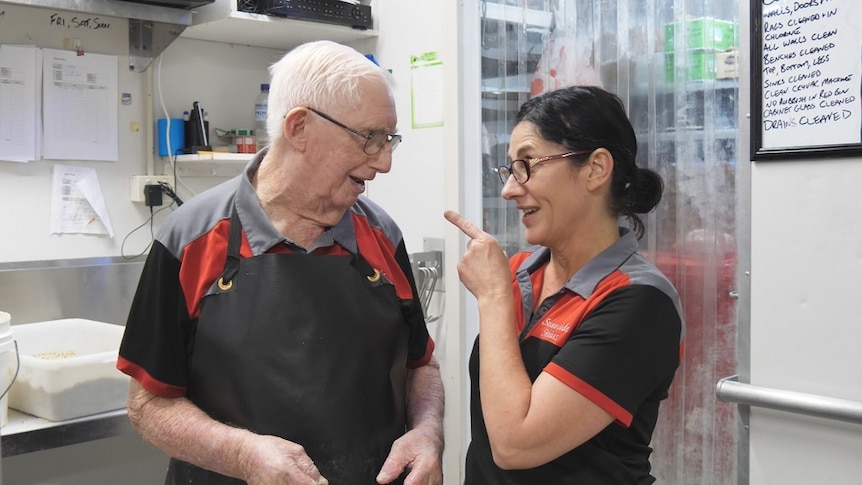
[[806, 252], [412, 192], [187, 73], [25, 189], [804, 324]]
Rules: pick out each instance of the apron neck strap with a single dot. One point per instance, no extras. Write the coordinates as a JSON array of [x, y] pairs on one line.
[[231, 264]]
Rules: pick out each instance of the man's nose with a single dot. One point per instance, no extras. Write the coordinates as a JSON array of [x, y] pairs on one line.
[[382, 160]]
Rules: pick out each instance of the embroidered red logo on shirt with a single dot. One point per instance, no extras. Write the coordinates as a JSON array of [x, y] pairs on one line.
[[555, 333]]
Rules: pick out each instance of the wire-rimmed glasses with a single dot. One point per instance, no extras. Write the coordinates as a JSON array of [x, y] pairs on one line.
[[374, 140], [520, 169]]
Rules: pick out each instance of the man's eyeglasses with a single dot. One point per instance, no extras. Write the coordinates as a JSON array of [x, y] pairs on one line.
[[374, 140], [520, 169]]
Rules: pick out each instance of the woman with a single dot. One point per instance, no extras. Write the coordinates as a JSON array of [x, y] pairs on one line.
[[579, 336]]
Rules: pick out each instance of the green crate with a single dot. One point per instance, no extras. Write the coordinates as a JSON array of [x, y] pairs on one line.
[[699, 66], [702, 33]]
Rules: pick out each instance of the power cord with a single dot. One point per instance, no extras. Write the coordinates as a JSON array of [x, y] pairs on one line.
[[169, 191], [152, 199], [152, 234]]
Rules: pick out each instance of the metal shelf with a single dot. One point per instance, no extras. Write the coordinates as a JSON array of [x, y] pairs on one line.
[[27, 434], [222, 22], [151, 28], [154, 28], [112, 8], [212, 164]]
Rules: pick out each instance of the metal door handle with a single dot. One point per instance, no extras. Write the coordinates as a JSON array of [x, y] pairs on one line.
[[729, 389]]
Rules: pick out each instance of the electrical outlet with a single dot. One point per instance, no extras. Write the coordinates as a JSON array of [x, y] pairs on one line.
[[136, 190]]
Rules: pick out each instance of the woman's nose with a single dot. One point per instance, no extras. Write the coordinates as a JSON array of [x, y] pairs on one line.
[[511, 188]]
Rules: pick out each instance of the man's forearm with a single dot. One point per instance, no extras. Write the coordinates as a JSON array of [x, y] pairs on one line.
[[180, 429], [425, 400]]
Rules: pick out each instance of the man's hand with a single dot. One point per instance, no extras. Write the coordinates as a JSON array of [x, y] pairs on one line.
[[418, 451], [270, 459]]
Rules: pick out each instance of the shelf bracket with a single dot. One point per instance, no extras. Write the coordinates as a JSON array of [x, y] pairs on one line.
[[147, 39]]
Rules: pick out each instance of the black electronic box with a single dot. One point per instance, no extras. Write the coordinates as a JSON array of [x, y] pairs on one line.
[[327, 11]]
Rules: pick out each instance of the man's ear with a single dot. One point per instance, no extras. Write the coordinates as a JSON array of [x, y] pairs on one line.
[[600, 166], [295, 128]]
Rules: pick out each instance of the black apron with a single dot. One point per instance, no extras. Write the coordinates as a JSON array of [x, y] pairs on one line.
[[311, 348]]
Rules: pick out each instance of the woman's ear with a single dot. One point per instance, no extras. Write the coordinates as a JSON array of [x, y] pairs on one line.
[[600, 166]]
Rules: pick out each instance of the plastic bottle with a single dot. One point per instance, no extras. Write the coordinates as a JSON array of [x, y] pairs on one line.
[[260, 106], [207, 126]]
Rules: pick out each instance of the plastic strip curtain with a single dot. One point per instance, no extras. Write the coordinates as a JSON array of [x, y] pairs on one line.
[[665, 59]]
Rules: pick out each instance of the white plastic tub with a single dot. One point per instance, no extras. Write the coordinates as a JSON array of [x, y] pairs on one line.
[[7, 365], [68, 369]]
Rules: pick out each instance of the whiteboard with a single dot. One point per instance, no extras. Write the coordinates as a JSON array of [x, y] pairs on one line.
[[807, 78]]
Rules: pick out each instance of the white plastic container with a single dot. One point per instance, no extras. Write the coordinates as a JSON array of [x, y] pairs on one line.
[[68, 369], [8, 364]]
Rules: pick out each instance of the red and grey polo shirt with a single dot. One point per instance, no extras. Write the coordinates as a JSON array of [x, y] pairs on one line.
[[188, 255], [613, 333]]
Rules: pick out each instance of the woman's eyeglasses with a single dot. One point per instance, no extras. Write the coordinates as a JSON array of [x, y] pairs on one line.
[[520, 169], [374, 140]]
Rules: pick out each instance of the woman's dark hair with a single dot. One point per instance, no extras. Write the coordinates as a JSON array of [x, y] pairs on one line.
[[588, 118]]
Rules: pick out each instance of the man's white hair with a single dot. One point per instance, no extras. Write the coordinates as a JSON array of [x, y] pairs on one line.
[[323, 75]]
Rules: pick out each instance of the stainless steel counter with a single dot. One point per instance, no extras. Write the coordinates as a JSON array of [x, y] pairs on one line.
[[26, 434], [95, 288]]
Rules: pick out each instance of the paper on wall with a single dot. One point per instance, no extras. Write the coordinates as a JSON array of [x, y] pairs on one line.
[[18, 103], [80, 103], [77, 205], [426, 90]]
